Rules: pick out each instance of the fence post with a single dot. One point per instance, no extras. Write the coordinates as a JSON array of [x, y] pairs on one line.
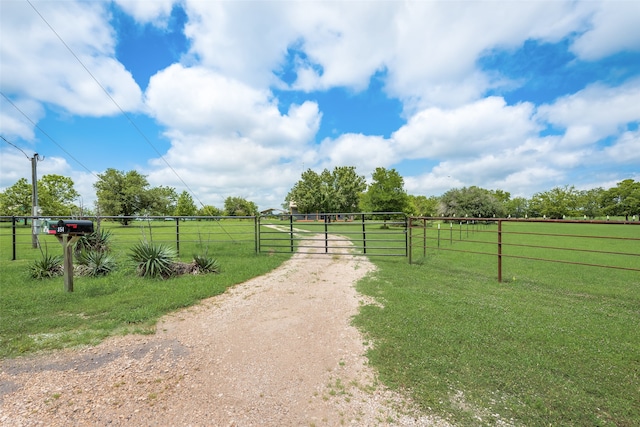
[[410, 240], [451, 233], [256, 232], [499, 251], [291, 230], [424, 237], [438, 236], [326, 234], [13, 234], [364, 235], [178, 236]]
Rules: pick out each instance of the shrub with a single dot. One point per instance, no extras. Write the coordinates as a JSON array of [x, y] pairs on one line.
[[153, 260], [46, 266], [99, 240], [206, 264], [94, 263]]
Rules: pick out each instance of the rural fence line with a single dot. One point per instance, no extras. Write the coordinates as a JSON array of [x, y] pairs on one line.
[[530, 239]]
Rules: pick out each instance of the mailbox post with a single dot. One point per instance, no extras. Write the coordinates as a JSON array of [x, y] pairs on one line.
[[68, 232]]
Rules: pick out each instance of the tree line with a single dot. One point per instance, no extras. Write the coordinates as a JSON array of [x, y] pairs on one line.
[[341, 190]]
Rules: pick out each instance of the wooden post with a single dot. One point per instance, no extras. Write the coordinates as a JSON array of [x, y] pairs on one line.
[[67, 250]]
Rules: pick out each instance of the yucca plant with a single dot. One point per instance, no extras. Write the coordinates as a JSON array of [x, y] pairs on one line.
[[99, 240], [94, 263], [206, 264], [153, 260], [46, 266]]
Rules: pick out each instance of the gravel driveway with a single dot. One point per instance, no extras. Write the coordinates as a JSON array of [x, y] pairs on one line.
[[278, 350]]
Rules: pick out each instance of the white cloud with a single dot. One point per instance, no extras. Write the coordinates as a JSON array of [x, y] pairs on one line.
[[364, 152], [484, 126], [626, 149], [40, 68], [227, 136], [156, 12], [595, 112], [614, 28]]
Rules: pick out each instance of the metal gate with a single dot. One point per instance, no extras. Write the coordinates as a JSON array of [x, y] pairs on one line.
[[370, 234]]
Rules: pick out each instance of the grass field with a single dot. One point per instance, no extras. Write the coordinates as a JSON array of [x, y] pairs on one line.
[[554, 344], [38, 315]]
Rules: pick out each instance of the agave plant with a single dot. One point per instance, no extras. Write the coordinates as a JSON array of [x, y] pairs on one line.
[[95, 263], [206, 264], [153, 260], [46, 266]]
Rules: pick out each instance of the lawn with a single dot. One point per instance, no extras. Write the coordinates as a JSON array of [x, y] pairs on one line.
[[554, 344]]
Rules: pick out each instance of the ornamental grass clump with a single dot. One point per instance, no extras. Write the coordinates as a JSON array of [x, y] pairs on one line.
[[47, 266], [94, 263], [153, 260]]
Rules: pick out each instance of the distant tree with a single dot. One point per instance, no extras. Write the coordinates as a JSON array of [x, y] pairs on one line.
[[336, 191], [56, 195], [623, 199], [386, 192], [160, 201], [472, 202], [237, 206], [16, 200], [555, 203], [590, 202], [185, 206], [422, 206], [208, 210], [518, 207], [121, 193]]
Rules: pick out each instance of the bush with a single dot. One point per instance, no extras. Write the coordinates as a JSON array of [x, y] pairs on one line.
[[47, 266], [97, 241], [153, 260], [206, 264], [94, 263]]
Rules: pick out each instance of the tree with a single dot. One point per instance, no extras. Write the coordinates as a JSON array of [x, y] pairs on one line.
[[208, 210], [623, 199], [337, 191], [121, 193], [16, 200], [518, 207], [386, 193], [237, 206], [590, 202], [185, 206], [555, 203], [160, 201], [422, 206], [56, 195], [473, 202]]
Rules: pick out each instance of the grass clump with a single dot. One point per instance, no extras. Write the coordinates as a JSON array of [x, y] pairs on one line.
[[94, 263]]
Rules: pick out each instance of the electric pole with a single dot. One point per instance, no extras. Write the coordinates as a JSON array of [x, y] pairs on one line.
[[35, 209]]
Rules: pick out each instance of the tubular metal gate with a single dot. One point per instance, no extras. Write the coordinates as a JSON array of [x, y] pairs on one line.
[[371, 234]]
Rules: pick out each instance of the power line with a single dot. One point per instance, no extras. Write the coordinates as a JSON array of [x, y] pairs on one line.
[[46, 134], [14, 145], [135, 126]]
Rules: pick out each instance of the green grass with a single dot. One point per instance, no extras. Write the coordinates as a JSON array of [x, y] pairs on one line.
[[37, 315], [554, 344]]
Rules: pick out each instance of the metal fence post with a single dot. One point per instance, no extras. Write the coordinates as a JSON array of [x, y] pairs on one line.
[[364, 235], [13, 234], [326, 233], [178, 235], [256, 232], [291, 230], [499, 251]]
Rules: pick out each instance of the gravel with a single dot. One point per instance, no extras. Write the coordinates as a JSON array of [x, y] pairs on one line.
[[278, 350]]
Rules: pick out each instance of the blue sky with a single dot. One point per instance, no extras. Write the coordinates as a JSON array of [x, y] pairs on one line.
[[239, 98]]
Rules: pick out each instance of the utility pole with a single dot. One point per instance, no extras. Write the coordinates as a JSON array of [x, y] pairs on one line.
[[35, 210]]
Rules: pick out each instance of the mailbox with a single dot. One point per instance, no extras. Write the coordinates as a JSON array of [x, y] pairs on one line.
[[71, 226]]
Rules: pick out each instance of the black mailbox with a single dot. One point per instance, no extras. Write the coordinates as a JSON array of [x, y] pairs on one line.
[[77, 227]]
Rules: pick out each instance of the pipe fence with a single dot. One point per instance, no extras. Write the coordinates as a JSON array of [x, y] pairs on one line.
[[600, 244]]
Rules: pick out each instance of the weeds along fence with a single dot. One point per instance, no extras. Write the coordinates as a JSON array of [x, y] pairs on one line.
[[186, 234], [523, 243]]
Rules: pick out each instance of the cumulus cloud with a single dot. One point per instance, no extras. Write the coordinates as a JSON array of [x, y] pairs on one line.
[[614, 28], [156, 12], [595, 112], [40, 68]]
